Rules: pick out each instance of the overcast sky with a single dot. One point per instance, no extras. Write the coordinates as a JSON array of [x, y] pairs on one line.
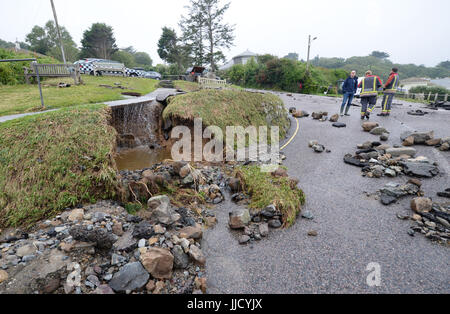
[[412, 31]]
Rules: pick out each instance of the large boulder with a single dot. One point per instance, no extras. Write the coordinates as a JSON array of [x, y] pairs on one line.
[[100, 237], [126, 242], [180, 259], [197, 255], [239, 219], [161, 211], [131, 277], [369, 126], [421, 205], [194, 232], [396, 152], [419, 138], [158, 262], [378, 131]]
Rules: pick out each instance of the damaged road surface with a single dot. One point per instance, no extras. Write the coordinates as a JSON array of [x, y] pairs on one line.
[[351, 230]]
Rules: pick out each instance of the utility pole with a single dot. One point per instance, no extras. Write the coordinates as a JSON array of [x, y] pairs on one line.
[[59, 32], [309, 51]]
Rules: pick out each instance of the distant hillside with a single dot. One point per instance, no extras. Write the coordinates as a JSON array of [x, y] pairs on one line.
[[381, 67]]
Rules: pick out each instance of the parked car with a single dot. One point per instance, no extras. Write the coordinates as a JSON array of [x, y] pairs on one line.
[[87, 67], [153, 75]]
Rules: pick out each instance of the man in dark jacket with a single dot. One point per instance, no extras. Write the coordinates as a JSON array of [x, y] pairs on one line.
[[349, 89]]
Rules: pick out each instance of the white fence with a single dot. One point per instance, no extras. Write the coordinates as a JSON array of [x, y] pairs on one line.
[[211, 84]]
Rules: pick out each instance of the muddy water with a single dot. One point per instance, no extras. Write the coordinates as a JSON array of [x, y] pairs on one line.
[[140, 158]]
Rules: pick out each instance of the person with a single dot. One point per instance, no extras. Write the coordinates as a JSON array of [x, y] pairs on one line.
[[369, 85], [349, 89], [390, 89]]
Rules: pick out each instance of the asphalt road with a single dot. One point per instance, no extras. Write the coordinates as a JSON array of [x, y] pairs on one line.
[[354, 230]]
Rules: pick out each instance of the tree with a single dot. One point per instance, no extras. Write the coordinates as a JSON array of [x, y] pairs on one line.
[[444, 64], [45, 40], [380, 54], [98, 42], [292, 56], [38, 40], [192, 28], [124, 57], [205, 23], [171, 50], [143, 59]]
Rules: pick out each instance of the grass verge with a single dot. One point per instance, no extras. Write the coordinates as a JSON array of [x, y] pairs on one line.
[[25, 98], [224, 108], [55, 160], [266, 190]]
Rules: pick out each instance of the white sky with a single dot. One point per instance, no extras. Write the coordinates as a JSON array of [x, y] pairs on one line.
[[412, 31]]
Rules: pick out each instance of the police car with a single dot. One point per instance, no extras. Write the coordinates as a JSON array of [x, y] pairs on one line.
[[87, 67]]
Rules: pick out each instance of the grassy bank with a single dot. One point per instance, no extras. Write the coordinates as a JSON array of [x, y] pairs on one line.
[[25, 98], [266, 190], [224, 108], [55, 160]]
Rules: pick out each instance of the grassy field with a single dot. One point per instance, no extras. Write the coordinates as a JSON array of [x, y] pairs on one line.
[[25, 98], [267, 190], [55, 160], [224, 108]]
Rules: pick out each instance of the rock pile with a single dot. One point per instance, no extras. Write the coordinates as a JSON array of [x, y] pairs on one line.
[[392, 192], [431, 219], [321, 116], [255, 225], [101, 249], [425, 138], [381, 160]]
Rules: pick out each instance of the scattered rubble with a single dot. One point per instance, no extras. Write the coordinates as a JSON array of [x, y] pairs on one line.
[[382, 160], [431, 219], [391, 192]]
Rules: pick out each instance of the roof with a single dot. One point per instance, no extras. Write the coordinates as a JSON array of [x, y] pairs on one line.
[[416, 80], [246, 53]]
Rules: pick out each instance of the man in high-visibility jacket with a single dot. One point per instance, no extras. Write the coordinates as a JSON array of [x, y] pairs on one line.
[[390, 89], [369, 85]]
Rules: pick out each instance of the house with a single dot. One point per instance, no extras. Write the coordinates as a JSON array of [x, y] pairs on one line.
[[409, 83], [242, 58]]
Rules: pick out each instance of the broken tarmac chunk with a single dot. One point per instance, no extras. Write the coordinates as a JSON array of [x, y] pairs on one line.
[[349, 159], [420, 169]]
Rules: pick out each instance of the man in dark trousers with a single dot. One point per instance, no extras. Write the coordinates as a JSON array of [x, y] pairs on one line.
[[390, 89], [349, 89], [369, 85]]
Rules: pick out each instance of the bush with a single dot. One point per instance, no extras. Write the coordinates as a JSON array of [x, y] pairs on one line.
[[271, 72], [433, 90], [11, 73]]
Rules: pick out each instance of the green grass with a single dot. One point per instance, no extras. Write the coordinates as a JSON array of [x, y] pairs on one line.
[[25, 98], [224, 108], [55, 160], [187, 86], [266, 190]]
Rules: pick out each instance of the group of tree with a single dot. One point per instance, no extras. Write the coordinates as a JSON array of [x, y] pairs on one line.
[[379, 64], [287, 74], [98, 42], [45, 40], [203, 36]]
